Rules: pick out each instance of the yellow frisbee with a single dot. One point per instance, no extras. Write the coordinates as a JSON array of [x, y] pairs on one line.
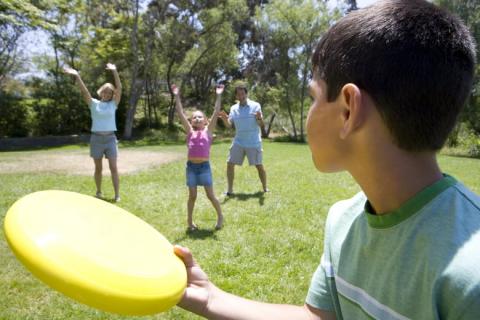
[[95, 252]]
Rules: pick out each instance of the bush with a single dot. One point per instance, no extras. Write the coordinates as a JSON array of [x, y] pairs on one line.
[[15, 116]]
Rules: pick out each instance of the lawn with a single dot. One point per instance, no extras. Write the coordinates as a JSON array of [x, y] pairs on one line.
[[269, 248]]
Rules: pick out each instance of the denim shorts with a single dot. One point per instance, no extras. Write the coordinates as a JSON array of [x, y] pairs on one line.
[[101, 145], [199, 174]]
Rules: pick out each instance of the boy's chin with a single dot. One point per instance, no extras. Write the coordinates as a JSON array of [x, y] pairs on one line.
[[325, 167]]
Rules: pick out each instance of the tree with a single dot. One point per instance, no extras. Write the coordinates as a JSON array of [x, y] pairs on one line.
[[469, 11]]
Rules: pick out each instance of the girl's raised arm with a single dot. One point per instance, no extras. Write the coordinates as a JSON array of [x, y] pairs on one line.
[[178, 106], [216, 110], [117, 95], [85, 94]]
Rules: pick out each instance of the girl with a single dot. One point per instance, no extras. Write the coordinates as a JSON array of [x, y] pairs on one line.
[[199, 140], [103, 140]]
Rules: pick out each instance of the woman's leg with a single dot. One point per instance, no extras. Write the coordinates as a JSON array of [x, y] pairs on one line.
[[98, 176], [216, 205], [112, 163], [192, 196]]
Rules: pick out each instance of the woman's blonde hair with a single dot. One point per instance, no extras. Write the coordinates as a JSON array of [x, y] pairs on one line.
[[106, 86]]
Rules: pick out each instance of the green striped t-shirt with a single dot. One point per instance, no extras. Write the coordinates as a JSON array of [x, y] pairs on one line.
[[421, 261]]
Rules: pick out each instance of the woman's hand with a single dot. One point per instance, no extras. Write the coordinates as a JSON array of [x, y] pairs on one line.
[[70, 71], [111, 66]]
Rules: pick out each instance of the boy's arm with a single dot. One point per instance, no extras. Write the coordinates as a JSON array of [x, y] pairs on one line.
[[179, 108], [216, 110], [205, 299], [85, 94], [117, 95]]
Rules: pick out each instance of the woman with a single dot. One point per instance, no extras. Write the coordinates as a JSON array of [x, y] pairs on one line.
[[103, 140]]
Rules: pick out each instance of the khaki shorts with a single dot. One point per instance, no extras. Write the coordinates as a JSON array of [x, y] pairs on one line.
[[237, 155], [103, 145]]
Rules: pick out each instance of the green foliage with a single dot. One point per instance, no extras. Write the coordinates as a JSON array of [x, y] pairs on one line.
[[15, 116]]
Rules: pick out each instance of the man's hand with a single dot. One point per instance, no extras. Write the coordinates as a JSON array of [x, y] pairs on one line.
[[223, 115]]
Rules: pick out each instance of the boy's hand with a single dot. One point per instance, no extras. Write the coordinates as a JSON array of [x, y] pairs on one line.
[[71, 71], [219, 89], [175, 89], [196, 295], [111, 66], [259, 115]]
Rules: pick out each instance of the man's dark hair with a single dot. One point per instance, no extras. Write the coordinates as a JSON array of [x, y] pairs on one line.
[[241, 86], [413, 58]]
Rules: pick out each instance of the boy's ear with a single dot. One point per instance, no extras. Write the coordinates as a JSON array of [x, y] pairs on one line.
[[353, 113]]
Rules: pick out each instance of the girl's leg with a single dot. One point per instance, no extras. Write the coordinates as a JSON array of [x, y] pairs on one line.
[[216, 205], [98, 176], [112, 163], [192, 196]]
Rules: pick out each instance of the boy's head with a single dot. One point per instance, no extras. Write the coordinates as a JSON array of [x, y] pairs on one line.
[[415, 60]]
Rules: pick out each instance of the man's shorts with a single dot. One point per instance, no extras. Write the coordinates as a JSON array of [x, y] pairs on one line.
[[237, 155], [103, 145], [199, 174]]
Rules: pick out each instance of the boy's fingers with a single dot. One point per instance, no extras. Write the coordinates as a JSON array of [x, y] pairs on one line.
[[185, 255]]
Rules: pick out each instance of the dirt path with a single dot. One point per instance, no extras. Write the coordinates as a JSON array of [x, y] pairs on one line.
[[79, 162]]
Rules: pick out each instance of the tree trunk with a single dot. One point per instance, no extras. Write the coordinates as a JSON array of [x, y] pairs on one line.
[[134, 90]]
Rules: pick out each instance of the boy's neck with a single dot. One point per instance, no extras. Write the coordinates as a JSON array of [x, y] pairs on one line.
[[398, 176]]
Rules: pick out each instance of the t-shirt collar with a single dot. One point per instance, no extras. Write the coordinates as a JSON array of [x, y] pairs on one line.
[[410, 207]]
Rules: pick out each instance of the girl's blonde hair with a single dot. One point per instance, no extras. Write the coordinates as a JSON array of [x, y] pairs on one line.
[[106, 86]]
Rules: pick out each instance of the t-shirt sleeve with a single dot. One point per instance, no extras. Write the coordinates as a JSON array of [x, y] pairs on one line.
[[94, 104], [319, 295]]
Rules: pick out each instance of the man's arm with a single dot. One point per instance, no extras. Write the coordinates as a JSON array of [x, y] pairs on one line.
[[205, 299]]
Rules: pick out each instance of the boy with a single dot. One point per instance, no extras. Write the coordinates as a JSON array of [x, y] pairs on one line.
[[389, 82]]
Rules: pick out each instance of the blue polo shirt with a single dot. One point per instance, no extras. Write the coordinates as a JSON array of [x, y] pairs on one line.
[[247, 131]]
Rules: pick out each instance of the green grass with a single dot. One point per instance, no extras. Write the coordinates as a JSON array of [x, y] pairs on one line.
[[269, 248]]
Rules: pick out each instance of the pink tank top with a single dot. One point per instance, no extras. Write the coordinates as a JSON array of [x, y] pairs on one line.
[[198, 143]]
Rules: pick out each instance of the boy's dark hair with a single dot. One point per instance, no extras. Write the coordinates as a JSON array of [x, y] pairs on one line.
[[413, 58], [241, 86]]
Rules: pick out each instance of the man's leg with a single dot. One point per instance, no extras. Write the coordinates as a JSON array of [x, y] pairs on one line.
[[230, 176], [262, 174]]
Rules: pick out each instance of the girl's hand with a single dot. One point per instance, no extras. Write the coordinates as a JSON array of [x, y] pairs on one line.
[[219, 89], [111, 66], [175, 89], [71, 71], [197, 293]]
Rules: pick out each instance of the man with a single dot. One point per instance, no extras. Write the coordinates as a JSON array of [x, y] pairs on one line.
[[247, 119]]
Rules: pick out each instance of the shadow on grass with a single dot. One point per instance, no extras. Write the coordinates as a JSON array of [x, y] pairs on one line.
[[198, 234], [246, 196]]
